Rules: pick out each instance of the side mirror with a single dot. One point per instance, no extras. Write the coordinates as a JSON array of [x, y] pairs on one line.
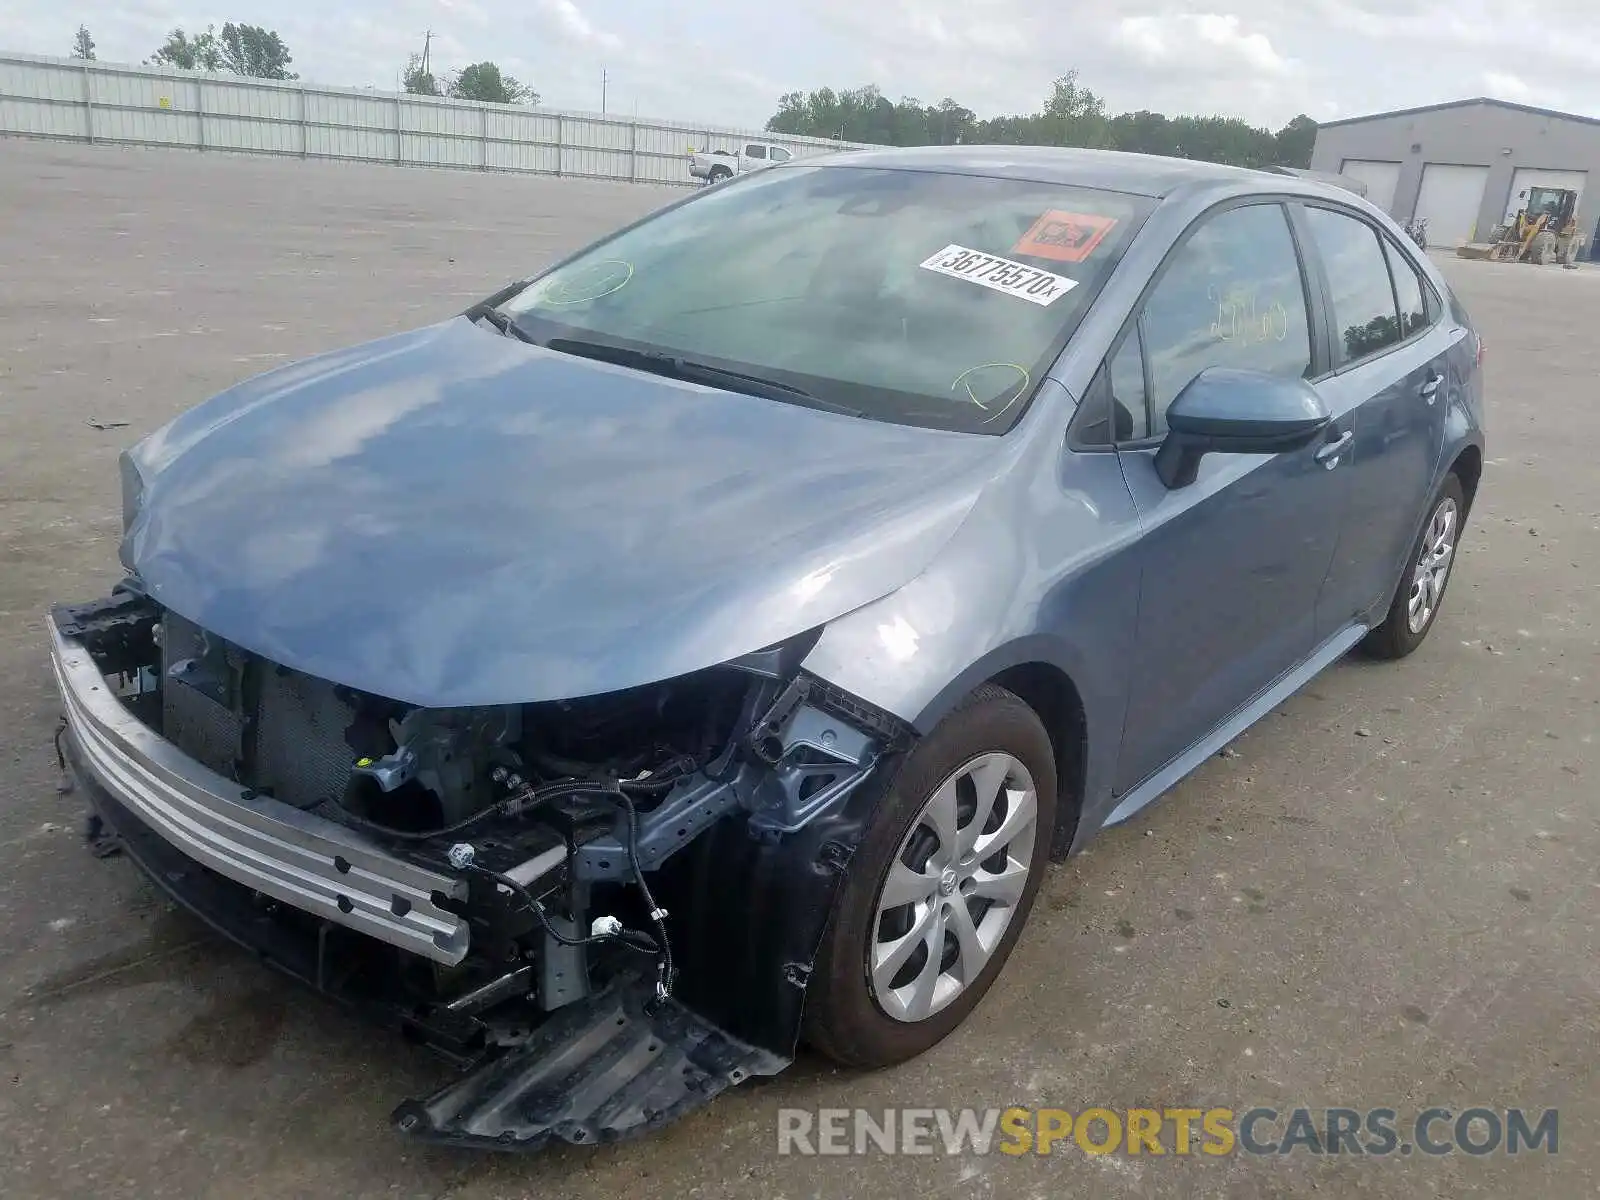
[[1236, 412]]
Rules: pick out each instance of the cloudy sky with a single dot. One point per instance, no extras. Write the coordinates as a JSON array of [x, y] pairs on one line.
[[727, 61]]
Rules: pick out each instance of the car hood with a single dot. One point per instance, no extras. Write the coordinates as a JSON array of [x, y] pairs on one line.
[[450, 517]]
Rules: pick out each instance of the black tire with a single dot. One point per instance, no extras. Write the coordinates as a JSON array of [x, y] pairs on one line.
[[843, 1019], [718, 174], [1395, 638]]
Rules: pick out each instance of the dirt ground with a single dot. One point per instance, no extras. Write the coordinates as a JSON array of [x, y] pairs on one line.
[[1387, 897]]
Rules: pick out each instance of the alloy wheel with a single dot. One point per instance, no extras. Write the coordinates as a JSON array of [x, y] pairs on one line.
[[1432, 569], [953, 886]]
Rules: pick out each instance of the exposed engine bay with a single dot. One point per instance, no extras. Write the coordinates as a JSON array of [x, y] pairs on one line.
[[580, 831]]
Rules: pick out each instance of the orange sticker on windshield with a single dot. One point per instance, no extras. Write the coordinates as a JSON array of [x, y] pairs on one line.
[[1065, 236]]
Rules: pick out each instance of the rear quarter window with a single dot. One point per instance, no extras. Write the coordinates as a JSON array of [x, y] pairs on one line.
[[1410, 289]]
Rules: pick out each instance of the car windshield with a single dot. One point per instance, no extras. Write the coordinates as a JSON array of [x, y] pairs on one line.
[[910, 296]]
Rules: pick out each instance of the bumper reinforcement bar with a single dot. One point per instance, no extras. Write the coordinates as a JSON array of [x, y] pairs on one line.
[[302, 860]]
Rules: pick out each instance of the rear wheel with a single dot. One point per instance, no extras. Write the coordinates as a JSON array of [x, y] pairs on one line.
[[1420, 593], [718, 174], [939, 888]]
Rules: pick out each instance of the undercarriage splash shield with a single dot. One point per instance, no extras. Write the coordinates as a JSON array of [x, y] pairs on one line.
[[613, 1067]]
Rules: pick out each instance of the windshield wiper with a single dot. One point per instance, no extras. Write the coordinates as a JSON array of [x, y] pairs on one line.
[[501, 320], [693, 371]]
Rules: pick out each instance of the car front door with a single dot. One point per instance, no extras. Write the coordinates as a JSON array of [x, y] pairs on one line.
[[1231, 565], [1391, 370]]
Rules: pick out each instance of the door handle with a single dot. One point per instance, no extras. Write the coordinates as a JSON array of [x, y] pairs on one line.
[[1430, 389], [1329, 454]]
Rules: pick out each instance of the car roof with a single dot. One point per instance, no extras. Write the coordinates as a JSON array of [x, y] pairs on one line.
[[1108, 170]]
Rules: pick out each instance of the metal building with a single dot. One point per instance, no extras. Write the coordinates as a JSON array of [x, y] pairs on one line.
[[1465, 166]]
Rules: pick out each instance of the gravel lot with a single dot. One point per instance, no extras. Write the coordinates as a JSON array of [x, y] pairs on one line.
[[1386, 898]]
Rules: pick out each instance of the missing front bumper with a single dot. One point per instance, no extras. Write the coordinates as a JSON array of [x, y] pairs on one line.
[[330, 906], [614, 1066]]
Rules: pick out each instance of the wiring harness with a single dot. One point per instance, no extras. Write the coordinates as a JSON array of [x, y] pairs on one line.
[[525, 797]]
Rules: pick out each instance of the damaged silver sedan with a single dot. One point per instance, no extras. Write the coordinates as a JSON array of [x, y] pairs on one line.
[[704, 645]]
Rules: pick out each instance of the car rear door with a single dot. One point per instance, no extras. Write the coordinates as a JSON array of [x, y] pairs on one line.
[[1232, 564], [1391, 374]]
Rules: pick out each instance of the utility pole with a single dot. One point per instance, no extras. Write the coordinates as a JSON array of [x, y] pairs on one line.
[[427, 41], [605, 78]]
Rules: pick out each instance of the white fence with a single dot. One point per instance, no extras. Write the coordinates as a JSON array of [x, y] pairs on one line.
[[83, 101]]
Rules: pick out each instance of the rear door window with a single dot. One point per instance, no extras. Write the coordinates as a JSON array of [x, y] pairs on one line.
[[1365, 317], [755, 151]]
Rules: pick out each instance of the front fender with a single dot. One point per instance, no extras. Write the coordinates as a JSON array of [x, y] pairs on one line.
[[1043, 571]]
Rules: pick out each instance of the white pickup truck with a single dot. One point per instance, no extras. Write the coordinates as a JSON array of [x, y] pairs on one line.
[[713, 166]]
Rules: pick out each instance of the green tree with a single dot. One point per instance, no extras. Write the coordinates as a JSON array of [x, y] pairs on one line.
[[791, 115], [486, 83], [1223, 140], [1072, 115], [865, 114], [83, 44], [952, 123], [1144, 132], [418, 80], [1295, 142], [255, 51], [198, 53]]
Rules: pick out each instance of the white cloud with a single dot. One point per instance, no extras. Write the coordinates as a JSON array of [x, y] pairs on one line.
[[1001, 55], [1506, 86], [1203, 41], [924, 24], [574, 26]]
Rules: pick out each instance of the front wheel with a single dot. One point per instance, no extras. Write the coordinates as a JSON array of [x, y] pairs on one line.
[[1421, 591], [939, 888]]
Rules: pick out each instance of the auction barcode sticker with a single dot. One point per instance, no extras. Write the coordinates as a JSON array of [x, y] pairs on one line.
[[1000, 274]]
